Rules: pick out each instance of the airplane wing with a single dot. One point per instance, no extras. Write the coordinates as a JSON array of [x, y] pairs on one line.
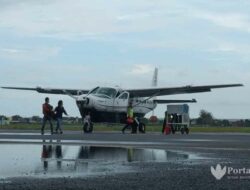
[[151, 92], [73, 92], [174, 101]]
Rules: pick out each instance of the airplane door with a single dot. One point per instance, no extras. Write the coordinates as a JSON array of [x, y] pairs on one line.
[[121, 102]]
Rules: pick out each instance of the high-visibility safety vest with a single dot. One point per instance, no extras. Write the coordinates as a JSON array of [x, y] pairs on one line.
[[130, 112]]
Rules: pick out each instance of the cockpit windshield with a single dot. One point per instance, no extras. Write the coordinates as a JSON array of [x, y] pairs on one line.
[[105, 92]]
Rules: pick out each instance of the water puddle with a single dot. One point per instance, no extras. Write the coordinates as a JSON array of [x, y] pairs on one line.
[[75, 161]]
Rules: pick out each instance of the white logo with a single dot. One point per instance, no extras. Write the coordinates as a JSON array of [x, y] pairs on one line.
[[218, 173]]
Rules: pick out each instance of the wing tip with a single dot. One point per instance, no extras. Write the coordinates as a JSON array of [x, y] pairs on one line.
[[236, 85], [17, 88], [5, 87]]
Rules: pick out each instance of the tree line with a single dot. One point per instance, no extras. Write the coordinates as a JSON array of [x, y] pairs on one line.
[[206, 118]]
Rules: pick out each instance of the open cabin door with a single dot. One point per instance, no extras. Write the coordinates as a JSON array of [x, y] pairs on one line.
[[121, 102]]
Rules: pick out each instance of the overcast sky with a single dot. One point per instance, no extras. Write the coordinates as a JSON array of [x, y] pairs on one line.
[[87, 43]]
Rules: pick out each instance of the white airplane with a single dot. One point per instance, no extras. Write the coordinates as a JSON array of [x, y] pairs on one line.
[[109, 105]]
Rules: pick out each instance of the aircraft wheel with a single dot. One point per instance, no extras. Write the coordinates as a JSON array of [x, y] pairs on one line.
[[142, 127], [88, 127]]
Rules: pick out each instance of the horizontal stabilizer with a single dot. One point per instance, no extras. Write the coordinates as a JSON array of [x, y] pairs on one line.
[[174, 101]]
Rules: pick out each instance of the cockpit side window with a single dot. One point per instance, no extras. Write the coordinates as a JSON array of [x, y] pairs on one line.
[[93, 91], [118, 93], [124, 96]]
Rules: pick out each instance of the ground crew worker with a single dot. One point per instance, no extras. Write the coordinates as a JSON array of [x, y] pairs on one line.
[[48, 114], [130, 118], [59, 111]]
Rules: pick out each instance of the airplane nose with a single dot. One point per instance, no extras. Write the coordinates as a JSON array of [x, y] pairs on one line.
[[86, 100]]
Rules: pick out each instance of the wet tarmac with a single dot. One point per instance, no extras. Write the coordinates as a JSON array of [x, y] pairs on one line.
[[54, 160], [116, 161]]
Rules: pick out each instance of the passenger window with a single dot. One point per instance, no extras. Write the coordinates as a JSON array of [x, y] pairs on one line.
[[124, 96]]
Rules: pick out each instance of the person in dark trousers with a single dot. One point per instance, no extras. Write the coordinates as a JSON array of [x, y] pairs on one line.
[[130, 118], [46, 155], [47, 115], [59, 111], [164, 122]]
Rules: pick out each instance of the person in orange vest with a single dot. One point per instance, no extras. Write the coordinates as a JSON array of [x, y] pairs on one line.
[[130, 118], [47, 115]]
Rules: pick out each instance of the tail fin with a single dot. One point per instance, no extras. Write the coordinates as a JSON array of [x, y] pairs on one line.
[[154, 84], [155, 78]]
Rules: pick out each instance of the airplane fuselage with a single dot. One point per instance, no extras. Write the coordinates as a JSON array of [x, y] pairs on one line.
[[111, 104]]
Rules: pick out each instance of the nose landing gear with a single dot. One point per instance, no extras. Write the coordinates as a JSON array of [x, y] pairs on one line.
[[88, 127]]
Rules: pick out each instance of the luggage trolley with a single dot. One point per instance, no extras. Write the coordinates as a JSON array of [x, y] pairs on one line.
[[178, 118]]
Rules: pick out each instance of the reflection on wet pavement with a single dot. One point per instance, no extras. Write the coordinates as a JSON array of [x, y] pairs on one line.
[[75, 161]]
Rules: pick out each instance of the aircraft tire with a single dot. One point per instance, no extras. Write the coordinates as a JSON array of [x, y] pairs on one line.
[[88, 128], [142, 127]]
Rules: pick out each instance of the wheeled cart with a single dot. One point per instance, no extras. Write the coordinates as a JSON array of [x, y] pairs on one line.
[[178, 118]]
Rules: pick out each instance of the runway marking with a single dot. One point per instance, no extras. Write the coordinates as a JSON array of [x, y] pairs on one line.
[[227, 149], [21, 134], [193, 140], [85, 142], [113, 144]]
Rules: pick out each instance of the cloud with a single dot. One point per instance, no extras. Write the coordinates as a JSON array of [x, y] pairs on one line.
[[12, 51], [232, 48], [141, 69], [236, 21], [193, 43], [84, 19], [28, 54], [46, 75]]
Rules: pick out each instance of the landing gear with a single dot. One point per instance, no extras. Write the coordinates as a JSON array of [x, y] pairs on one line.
[[138, 125], [142, 127], [88, 127]]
